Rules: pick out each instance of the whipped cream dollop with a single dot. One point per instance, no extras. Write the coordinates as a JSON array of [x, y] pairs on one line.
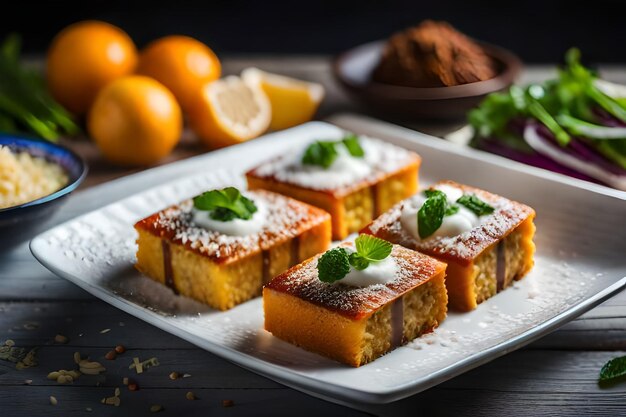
[[376, 273], [462, 221], [345, 169], [234, 227]]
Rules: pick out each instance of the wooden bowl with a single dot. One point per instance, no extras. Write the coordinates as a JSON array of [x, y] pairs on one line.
[[354, 68]]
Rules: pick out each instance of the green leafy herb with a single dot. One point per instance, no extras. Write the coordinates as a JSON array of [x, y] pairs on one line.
[[571, 106], [614, 368], [451, 209], [333, 265], [358, 262], [430, 215], [324, 152], [226, 204], [321, 153], [475, 204], [351, 142], [369, 249], [25, 104], [372, 248]]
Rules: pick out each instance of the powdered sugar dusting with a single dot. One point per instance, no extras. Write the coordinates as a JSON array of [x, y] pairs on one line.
[[506, 216], [285, 219], [381, 158], [302, 281], [548, 290]]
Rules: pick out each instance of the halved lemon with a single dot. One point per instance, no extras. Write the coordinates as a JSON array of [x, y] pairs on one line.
[[229, 111], [293, 101]]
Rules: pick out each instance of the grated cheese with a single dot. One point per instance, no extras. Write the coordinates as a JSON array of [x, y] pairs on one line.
[[25, 178]]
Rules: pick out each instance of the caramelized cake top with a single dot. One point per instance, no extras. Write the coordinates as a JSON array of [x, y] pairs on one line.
[[286, 219], [414, 269], [465, 247], [381, 160]]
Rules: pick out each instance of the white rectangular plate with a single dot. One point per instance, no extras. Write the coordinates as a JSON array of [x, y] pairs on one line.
[[580, 262]]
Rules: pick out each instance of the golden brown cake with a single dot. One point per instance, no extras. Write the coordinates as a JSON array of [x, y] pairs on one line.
[[352, 324], [482, 259], [354, 190], [223, 270]]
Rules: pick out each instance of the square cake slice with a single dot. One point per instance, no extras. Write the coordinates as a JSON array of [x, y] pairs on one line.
[[354, 178], [223, 269], [357, 324], [486, 239]]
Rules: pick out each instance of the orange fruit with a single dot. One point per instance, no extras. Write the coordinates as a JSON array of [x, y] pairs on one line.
[[135, 120], [182, 64], [83, 58], [293, 101], [229, 111]]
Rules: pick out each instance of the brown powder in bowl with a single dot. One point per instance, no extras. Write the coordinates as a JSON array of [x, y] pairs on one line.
[[433, 54]]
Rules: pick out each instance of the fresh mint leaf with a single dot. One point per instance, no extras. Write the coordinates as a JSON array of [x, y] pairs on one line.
[[351, 142], [321, 153], [372, 248], [430, 215], [324, 152], [432, 192], [475, 204], [614, 368], [226, 204], [333, 265], [451, 209], [358, 262]]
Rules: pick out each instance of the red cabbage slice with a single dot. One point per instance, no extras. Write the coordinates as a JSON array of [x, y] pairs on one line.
[[578, 158]]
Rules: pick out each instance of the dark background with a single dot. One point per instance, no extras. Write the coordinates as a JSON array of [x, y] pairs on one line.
[[539, 31]]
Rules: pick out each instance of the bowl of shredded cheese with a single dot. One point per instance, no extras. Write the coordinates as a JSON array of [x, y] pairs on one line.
[[35, 177]]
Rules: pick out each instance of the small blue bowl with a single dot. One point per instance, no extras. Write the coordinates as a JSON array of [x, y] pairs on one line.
[[22, 222]]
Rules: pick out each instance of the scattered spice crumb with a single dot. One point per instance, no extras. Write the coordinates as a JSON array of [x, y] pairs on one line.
[[61, 339], [80, 334], [64, 377], [121, 324], [53, 400], [120, 349], [31, 325], [227, 403], [133, 387], [88, 367], [156, 408], [190, 396], [110, 355], [125, 380], [88, 409], [28, 381], [174, 375], [186, 375], [103, 331], [28, 361], [114, 400], [140, 366]]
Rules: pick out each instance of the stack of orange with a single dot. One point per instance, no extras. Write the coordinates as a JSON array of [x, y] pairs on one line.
[[134, 101]]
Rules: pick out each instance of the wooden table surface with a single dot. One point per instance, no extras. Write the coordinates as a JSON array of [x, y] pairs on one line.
[[556, 375]]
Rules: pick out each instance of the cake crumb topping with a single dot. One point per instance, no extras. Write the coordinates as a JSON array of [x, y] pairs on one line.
[[466, 246], [413, 269], [380, 159], [285, 219]]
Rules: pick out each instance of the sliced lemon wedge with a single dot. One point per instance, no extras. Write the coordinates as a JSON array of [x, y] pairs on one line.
[[293, 101], [229, 111]]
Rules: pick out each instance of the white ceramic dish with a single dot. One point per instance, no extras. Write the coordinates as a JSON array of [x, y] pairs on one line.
[[580, 262]]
